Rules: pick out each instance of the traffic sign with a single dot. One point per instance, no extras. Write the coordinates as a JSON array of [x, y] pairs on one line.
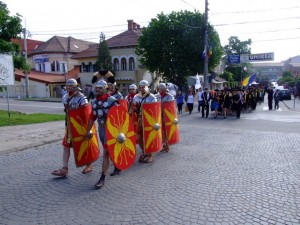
[[233, 59]]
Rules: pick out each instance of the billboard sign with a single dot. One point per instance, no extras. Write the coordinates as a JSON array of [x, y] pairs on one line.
[[233, 59], [257, 57], [7, 76]]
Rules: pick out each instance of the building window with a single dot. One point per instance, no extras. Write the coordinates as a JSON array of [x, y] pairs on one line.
[[91, 68], [116, 65], [131, 64], [123, 64], [84, 68], [54, 66]]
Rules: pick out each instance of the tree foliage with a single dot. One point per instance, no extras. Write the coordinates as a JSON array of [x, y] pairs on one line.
[[237, 47], [227, 76], [10, 27], [104, 58], [172, 45]]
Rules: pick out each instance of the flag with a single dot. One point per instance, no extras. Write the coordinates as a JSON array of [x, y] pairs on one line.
[[197, 84], [209, 53], [203, 54], [247, 81]]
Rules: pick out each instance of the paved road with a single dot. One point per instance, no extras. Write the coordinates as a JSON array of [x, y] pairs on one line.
[[222, 172], [31, 106]]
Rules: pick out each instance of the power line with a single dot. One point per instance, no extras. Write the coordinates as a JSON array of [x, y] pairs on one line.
[[268, 31], [277, 39], [255, 11], [258, 21], [189, 4]]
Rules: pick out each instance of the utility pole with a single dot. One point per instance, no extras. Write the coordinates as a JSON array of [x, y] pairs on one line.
[[206, 45], [25, 55]]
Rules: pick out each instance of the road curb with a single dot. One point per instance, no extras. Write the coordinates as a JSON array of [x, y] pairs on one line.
[[290, 107], [28, 146]]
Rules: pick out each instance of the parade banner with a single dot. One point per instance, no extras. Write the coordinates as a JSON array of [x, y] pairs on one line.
[[151, 117], [85, 150], [171, 121], [120, 137]]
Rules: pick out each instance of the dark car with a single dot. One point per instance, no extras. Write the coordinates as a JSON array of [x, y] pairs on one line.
[[285, 94]]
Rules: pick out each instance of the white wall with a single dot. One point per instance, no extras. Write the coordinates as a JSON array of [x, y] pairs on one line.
[[36, 90]]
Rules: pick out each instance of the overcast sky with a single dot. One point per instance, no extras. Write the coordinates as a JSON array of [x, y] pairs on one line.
[[273, 25]]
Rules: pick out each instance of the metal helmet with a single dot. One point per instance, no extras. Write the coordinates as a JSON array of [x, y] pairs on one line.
[[72, 82], [101, 83], [162, 86], [143, 83], [132, 86]]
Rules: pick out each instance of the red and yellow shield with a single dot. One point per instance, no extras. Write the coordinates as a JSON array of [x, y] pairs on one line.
[[171, 121], [120, 137], [124, 103], [85, 151], [151, 116]]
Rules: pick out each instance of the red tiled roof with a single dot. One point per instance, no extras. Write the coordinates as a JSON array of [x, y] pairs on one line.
[[128, 38], [91, 52], [58, 44], [31, 44], [47, 78]]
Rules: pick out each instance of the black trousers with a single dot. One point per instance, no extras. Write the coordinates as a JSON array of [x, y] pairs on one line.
[[206, 108], [238, 110], [270, 102]]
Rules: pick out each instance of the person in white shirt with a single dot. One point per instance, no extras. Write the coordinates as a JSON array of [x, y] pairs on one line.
[[200, 100], [190, 101]]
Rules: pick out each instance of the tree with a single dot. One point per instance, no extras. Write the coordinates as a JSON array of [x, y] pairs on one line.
[[235, 46], [104, 58], [10, 27], [227, 76], [172, 45]]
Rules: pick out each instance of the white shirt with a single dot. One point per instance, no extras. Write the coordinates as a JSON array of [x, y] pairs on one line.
[[190, 99], [200, 96]]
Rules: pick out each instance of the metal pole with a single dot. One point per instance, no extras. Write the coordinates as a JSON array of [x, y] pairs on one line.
[[295, 91], [25, 55], [206, 45], [241, 76], [7, 98]]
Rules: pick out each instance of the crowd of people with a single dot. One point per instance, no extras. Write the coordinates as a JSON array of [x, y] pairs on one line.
[[229, 101], [107, 96]]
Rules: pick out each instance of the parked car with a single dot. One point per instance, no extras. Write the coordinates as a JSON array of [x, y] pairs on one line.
[[285, 94]]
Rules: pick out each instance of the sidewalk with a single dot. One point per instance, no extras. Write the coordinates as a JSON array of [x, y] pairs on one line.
[[17, 138]]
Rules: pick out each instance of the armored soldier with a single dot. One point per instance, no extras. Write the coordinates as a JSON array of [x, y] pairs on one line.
[[72, 100], [114, 91], [100, 107], [164, 96], [144, 96], [130, 96]]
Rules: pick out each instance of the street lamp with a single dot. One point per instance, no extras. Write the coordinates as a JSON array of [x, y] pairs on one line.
[[25, 55]]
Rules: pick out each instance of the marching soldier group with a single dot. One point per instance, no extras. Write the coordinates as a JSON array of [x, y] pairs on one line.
[[141, 117]]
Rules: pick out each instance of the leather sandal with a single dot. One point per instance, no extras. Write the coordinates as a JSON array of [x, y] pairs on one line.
[[87, 169], [63, 172], [149, 159], [142, 158]]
